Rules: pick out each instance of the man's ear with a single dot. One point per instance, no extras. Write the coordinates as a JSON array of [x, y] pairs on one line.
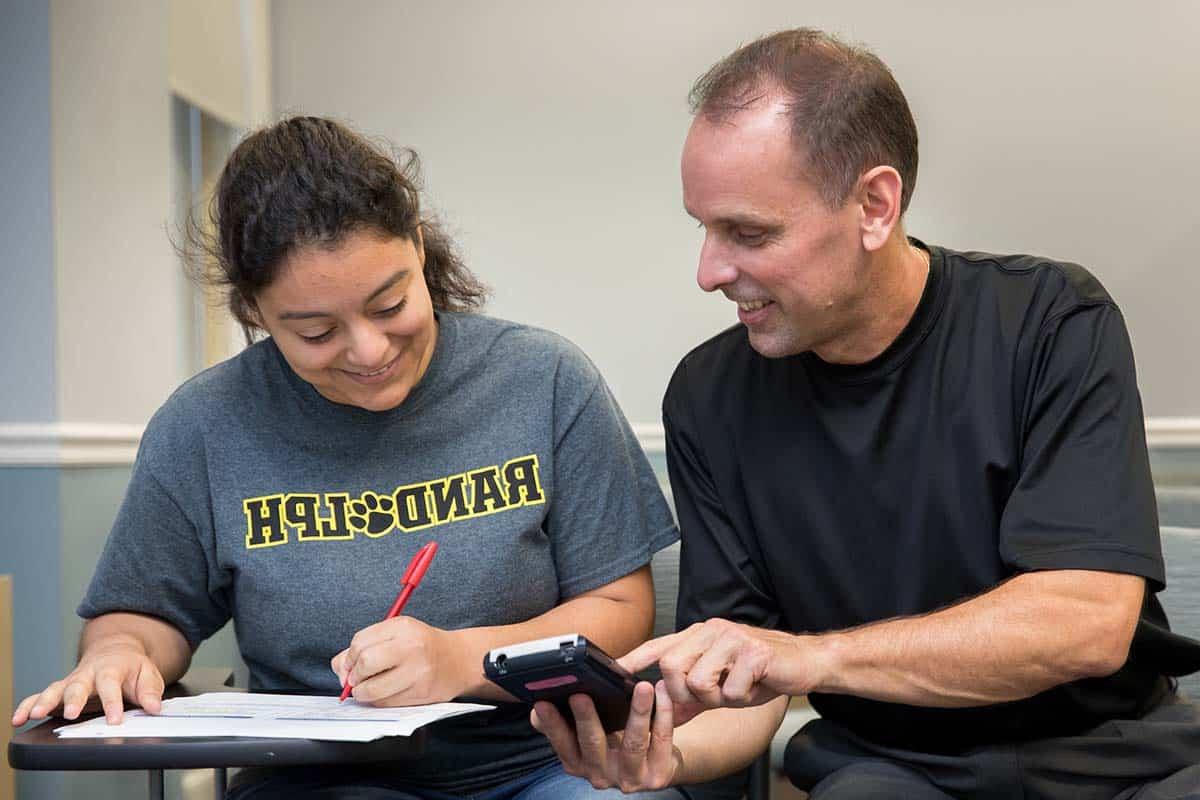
[[879, 194]]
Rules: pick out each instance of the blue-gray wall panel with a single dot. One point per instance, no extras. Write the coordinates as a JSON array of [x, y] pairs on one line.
[[27, 303], [29, 551]]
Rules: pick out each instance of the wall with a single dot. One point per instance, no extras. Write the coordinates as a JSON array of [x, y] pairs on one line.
[[26, 274], [97, 324], [551, 134], [111, 212]]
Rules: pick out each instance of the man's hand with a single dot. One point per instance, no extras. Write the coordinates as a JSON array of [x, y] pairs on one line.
[[117, 669], [402, 662], [642, 757], [719, 663]]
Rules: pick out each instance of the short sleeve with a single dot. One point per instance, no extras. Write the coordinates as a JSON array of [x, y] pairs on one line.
[[607, 515], [1084, 498], [154, 562], [717, 577]]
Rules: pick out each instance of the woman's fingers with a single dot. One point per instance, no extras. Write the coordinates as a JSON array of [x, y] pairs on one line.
[[21, 712], [338, 665], [112, 699], [113, 677], [36, 706], [392, 687], [47, 701], [75, 697], [148, 688]]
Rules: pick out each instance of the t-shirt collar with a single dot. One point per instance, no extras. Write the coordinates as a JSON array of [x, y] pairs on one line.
[[928, 310]]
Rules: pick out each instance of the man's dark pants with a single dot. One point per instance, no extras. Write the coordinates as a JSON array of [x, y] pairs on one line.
[[1153, 758]]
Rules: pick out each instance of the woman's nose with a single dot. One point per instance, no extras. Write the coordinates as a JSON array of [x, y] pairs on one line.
[[368, 346]]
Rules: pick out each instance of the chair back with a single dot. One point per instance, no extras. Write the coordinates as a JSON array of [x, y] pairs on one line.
[[665, 566], [1181, 598]]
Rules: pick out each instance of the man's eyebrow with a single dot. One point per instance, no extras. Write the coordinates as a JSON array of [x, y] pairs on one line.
[[395, 278], [735, 220], [745, 220]]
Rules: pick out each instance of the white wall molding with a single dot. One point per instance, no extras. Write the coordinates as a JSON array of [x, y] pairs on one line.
[[88, 444], [1161, 432], [67, 444], [1172, 432], [651, 436]]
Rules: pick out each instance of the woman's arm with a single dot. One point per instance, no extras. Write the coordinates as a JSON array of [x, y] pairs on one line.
[[402, 661], [122, 656], [617, 616]]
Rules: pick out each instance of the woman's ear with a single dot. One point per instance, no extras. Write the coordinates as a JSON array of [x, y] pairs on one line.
[[419, 242], [253, 315]]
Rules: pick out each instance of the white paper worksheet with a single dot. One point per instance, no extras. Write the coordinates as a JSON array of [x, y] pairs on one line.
[[276, 716]]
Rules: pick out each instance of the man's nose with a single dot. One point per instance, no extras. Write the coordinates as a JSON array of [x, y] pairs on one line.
[[715, 269]]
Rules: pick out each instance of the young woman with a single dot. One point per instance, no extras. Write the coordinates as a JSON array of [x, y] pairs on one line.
[[288, 487]]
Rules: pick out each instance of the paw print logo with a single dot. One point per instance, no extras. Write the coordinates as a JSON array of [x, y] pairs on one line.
[[373, 514]]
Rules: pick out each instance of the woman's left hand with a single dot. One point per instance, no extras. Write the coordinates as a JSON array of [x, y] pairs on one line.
[[402, 662]]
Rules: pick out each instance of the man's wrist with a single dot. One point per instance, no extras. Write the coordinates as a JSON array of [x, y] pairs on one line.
[[816, 663]]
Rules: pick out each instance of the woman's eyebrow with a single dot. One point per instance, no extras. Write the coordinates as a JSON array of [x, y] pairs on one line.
[[396, 277]]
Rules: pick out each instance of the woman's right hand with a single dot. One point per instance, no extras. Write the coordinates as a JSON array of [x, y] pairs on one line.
[[116, 668]]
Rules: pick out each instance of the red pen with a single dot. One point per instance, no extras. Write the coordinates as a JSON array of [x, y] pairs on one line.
[[413, 574]]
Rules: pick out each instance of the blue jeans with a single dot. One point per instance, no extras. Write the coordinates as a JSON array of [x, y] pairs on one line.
[[547, 783]]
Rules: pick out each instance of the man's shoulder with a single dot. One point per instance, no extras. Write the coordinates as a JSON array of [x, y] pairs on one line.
[[717, 363], [1055, 285], [729, 347], [715, 357]]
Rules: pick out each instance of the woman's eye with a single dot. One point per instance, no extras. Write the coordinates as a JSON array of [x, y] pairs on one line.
[[321, 337], [396, 309]]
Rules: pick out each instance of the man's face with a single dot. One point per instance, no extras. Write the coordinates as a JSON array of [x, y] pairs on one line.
[[771, 245]]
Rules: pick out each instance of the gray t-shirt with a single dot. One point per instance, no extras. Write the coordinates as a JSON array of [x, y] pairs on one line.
[[254, 497]]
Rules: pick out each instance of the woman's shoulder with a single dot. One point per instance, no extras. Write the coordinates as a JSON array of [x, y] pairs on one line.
[[517, 344], [210, 393], [523, 359]]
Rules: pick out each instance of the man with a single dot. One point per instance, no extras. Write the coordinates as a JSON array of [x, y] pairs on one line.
[[912, 485]]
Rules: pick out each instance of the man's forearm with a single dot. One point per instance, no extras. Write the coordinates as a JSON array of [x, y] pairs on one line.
[[1027, 635], [162, 642]]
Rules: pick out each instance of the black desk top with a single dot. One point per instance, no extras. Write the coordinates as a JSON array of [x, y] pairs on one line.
[[40, 749]]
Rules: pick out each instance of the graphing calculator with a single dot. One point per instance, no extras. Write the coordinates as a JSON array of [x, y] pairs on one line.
[[557, 667]]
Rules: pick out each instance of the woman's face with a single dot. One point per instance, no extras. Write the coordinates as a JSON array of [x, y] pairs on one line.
[[355, 321]]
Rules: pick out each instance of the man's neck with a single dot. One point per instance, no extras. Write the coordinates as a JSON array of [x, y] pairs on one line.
[[895, 279]]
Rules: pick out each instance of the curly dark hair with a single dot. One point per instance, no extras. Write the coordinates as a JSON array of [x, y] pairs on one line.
[[847, 112], [310, 181]]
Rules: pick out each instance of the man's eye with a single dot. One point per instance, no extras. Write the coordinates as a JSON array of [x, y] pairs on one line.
[[321, 337], [750, 236]]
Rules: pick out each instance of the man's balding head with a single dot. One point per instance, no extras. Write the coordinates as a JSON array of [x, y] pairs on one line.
[[847, 114]]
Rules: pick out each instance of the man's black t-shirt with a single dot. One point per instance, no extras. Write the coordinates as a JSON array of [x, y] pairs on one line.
[[1000, 433]]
